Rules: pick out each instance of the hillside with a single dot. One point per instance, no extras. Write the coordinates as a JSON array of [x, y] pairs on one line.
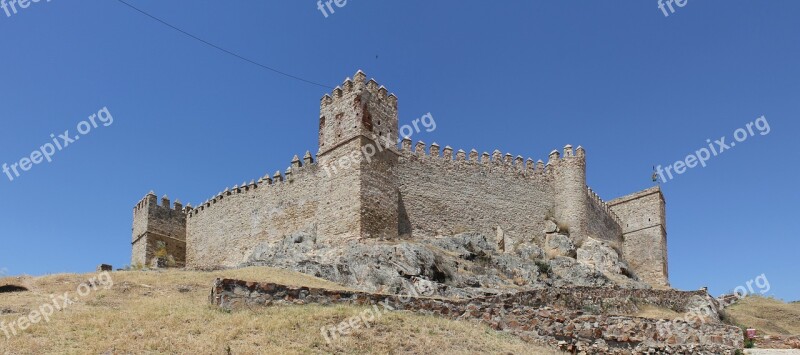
[[169, 312], [768, 315]]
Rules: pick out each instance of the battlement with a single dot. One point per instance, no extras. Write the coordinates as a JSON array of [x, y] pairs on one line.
[[496, 159], [357, 108], [276, 180], [158, 228], [595, 198], [151, 201]]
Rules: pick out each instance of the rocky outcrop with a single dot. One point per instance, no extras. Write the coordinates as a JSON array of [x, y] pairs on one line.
[[464, 265]]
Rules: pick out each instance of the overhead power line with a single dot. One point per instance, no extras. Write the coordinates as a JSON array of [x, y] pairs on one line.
[[223, 49]]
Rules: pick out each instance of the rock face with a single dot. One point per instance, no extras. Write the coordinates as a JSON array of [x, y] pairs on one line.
[[464, 265]]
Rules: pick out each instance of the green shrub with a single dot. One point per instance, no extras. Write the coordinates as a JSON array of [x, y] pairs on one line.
[[544, 267]]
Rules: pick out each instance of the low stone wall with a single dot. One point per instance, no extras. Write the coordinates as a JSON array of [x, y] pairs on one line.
[[606, 300], [523, 315]]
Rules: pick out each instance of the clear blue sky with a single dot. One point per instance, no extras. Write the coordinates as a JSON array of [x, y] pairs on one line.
[[632, 86]]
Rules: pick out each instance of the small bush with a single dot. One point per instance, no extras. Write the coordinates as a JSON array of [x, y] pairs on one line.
[[161, 250], [544, 267]]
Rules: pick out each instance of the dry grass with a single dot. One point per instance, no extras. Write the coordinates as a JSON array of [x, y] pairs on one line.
[[168, 313], [768, 315]]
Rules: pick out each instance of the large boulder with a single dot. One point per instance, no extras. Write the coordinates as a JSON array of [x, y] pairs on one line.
[[559, 245], [599, 255]]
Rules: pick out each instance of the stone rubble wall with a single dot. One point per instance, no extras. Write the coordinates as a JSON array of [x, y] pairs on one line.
[[569, 330]]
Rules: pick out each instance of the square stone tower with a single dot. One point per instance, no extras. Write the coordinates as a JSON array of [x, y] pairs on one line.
[[644, 231], [358, 152], [154, 224]]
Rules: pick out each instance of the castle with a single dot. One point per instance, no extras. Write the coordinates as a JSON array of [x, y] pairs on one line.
[[391, 193]]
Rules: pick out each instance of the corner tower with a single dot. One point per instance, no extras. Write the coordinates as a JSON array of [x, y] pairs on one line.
[[154, 224], [644, 231], [357, 153]]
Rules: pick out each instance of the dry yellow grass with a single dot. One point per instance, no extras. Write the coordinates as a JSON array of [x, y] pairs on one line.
[[768, 315], [168, 313]]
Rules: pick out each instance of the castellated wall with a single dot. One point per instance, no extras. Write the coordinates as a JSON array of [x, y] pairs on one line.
[[643, 218], [440, 195], [499, 195], [602, 222], [224, 230]]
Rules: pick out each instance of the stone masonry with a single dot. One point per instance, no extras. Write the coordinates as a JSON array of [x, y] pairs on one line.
[[362, 186]]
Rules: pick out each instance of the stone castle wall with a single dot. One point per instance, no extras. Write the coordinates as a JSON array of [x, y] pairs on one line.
[[223, 230], [602, 223], [446, 195], [402, 192]]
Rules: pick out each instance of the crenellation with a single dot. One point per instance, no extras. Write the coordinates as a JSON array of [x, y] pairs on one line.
[[296, 162], [392, 99], [372, 86], [406, 144], [497, 157], [485, 158], [461, 155], [308, 159], [448, 153], [553, 157], [580, 152], [434, 150], [420, 149], [326, 100], [348, 85], [519, 163], [473, 155]]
